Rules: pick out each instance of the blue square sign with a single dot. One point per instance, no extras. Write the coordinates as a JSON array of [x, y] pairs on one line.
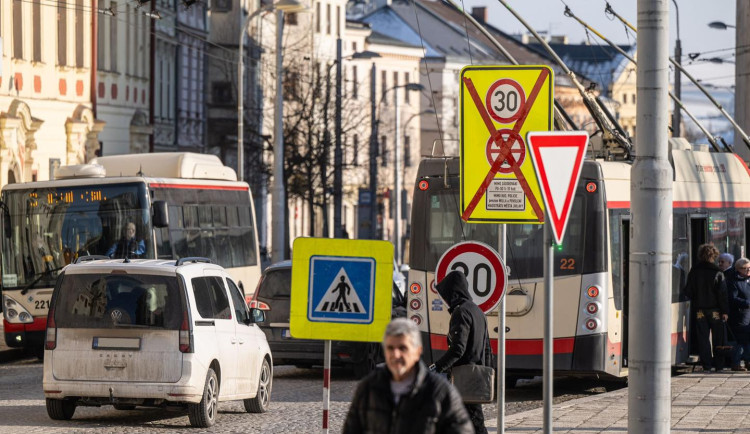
[[341, 289]]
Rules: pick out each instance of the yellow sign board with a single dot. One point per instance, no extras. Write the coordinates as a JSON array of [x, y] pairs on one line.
[[499, 105], [341, 289]]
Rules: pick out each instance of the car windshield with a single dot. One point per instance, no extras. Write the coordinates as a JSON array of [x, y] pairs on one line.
[[276, 284], [116, 300]]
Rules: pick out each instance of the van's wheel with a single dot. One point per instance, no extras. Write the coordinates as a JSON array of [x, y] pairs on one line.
[[60, 409], [262, 399], [370, 360], [124, 407], [203, 414]]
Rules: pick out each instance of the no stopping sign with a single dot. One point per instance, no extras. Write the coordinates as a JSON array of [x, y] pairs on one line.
[[483, 268]]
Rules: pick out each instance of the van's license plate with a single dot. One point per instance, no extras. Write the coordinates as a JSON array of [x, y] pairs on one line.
[[285, 333]]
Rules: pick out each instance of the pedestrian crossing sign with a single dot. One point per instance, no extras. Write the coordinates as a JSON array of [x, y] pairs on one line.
[[341, 289]]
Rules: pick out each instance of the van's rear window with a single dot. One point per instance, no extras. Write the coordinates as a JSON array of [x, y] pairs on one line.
[[276, 284], [118, 301]]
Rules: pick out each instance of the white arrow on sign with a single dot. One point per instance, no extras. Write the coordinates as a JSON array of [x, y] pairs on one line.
[[558, 159]]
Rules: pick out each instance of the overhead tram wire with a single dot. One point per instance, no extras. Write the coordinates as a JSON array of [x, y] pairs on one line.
[[561, 116], [602, 116], [569, 13], [608, 10]]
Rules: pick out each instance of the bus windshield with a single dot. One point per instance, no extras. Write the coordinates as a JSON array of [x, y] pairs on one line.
[[50, 227]]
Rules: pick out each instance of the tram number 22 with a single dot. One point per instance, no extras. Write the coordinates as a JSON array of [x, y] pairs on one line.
[[480, 270], [567, 264]]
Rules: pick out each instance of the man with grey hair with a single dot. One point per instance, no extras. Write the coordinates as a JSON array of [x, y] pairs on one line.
[[738, 287], [404, 396], [726, 260]]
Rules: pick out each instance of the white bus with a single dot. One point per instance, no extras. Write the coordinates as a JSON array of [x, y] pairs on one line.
[[182, 204], [711, 203]]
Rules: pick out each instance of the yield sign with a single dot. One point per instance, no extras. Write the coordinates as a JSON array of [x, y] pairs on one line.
[[558, 159]]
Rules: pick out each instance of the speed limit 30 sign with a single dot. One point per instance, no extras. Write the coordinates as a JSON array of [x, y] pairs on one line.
[[483, 268]]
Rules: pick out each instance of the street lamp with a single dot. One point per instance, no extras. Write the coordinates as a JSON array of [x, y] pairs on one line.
[[720, 25], [281, 5]]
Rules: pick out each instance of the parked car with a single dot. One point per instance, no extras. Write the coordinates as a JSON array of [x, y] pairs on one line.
[[273, 296], [153, 333]]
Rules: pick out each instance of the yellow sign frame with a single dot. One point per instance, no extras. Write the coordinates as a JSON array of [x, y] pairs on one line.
[[305, 251], [511, 195]]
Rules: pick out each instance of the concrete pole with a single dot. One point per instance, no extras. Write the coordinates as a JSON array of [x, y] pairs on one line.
[[373, 157], [397, 178], [741, 76], [548, 353], [279, 195], [501, 341], [337, 157], [649, 362], [677, 113]]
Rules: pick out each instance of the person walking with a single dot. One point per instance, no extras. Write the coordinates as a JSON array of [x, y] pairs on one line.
[[468, 340], [726, 260], [738, 286], [706, 288], [404, 396]]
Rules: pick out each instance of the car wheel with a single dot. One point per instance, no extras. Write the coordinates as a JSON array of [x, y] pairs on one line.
[[60, 409], [369, 361], [262, 399], [203, 414], [124, 407]]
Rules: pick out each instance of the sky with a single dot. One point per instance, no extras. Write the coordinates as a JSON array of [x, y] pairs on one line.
[[695, 35]]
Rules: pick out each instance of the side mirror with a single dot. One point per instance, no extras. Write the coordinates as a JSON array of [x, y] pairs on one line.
[[161, 214], [257, 316]]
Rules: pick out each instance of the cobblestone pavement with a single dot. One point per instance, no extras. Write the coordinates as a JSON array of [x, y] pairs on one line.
[[296, 405]]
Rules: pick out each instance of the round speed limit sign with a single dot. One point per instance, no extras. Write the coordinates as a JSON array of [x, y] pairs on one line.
[[505, 99], [483, 268]]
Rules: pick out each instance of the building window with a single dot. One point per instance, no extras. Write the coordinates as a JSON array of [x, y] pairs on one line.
[[383, 151], [221, 93], [290, 18], [328, 19], [317, 17], [395, 84], [18, 28], [221, 5], [354, 47], [633, 99], [37, 29], [62, 32], [624, 98], [101, 39], [113, 39], [355, 83], [383, 84], [407, 151], [355, 150], [338, 21], [79, 26], [406, 93]]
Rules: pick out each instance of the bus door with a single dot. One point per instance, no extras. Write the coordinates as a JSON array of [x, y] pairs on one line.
[[698, 236], [625, 282]]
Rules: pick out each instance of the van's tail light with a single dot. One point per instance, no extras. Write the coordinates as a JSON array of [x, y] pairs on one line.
[[186, 340], [50, 342], [255, 304]]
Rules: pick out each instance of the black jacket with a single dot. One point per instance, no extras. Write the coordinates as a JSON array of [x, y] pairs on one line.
[[739, 301], [467, 332], [706, 288], [432, 406]]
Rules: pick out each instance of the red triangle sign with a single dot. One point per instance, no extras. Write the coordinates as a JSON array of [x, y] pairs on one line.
[[558, 159]]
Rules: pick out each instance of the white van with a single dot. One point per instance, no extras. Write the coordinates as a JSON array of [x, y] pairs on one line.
[[153, 333]]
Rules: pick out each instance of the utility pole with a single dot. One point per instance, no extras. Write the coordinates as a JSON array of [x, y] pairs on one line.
[[649, 362], [373, 157], [337, 163], [677, 113], [397, 177], [278, 209], [741, 76]]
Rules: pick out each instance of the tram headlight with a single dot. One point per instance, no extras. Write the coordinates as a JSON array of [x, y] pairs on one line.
[[11, 314], [16, 313], [8, 302], [592, 291], [25, 317], [415, 288]]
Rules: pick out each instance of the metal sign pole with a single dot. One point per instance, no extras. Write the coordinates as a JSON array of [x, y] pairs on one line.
[[501, 342], [326, 384], [548, 336]]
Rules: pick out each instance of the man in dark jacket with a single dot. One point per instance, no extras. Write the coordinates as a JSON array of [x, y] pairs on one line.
[[738, 286], [468, 340], [405, 397], [706, 288]]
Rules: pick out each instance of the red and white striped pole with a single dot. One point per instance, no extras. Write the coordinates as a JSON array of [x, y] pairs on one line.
[[326, 383]]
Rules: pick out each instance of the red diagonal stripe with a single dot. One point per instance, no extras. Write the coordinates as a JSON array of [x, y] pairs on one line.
[[504, 146]]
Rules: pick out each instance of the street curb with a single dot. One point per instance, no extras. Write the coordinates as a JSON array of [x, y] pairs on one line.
[[8, 355]]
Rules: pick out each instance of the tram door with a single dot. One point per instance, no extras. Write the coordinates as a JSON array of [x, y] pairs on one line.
[[698, 236], [625, 267]]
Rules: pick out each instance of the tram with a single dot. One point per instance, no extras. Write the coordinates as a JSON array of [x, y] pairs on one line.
[[711, 204]]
